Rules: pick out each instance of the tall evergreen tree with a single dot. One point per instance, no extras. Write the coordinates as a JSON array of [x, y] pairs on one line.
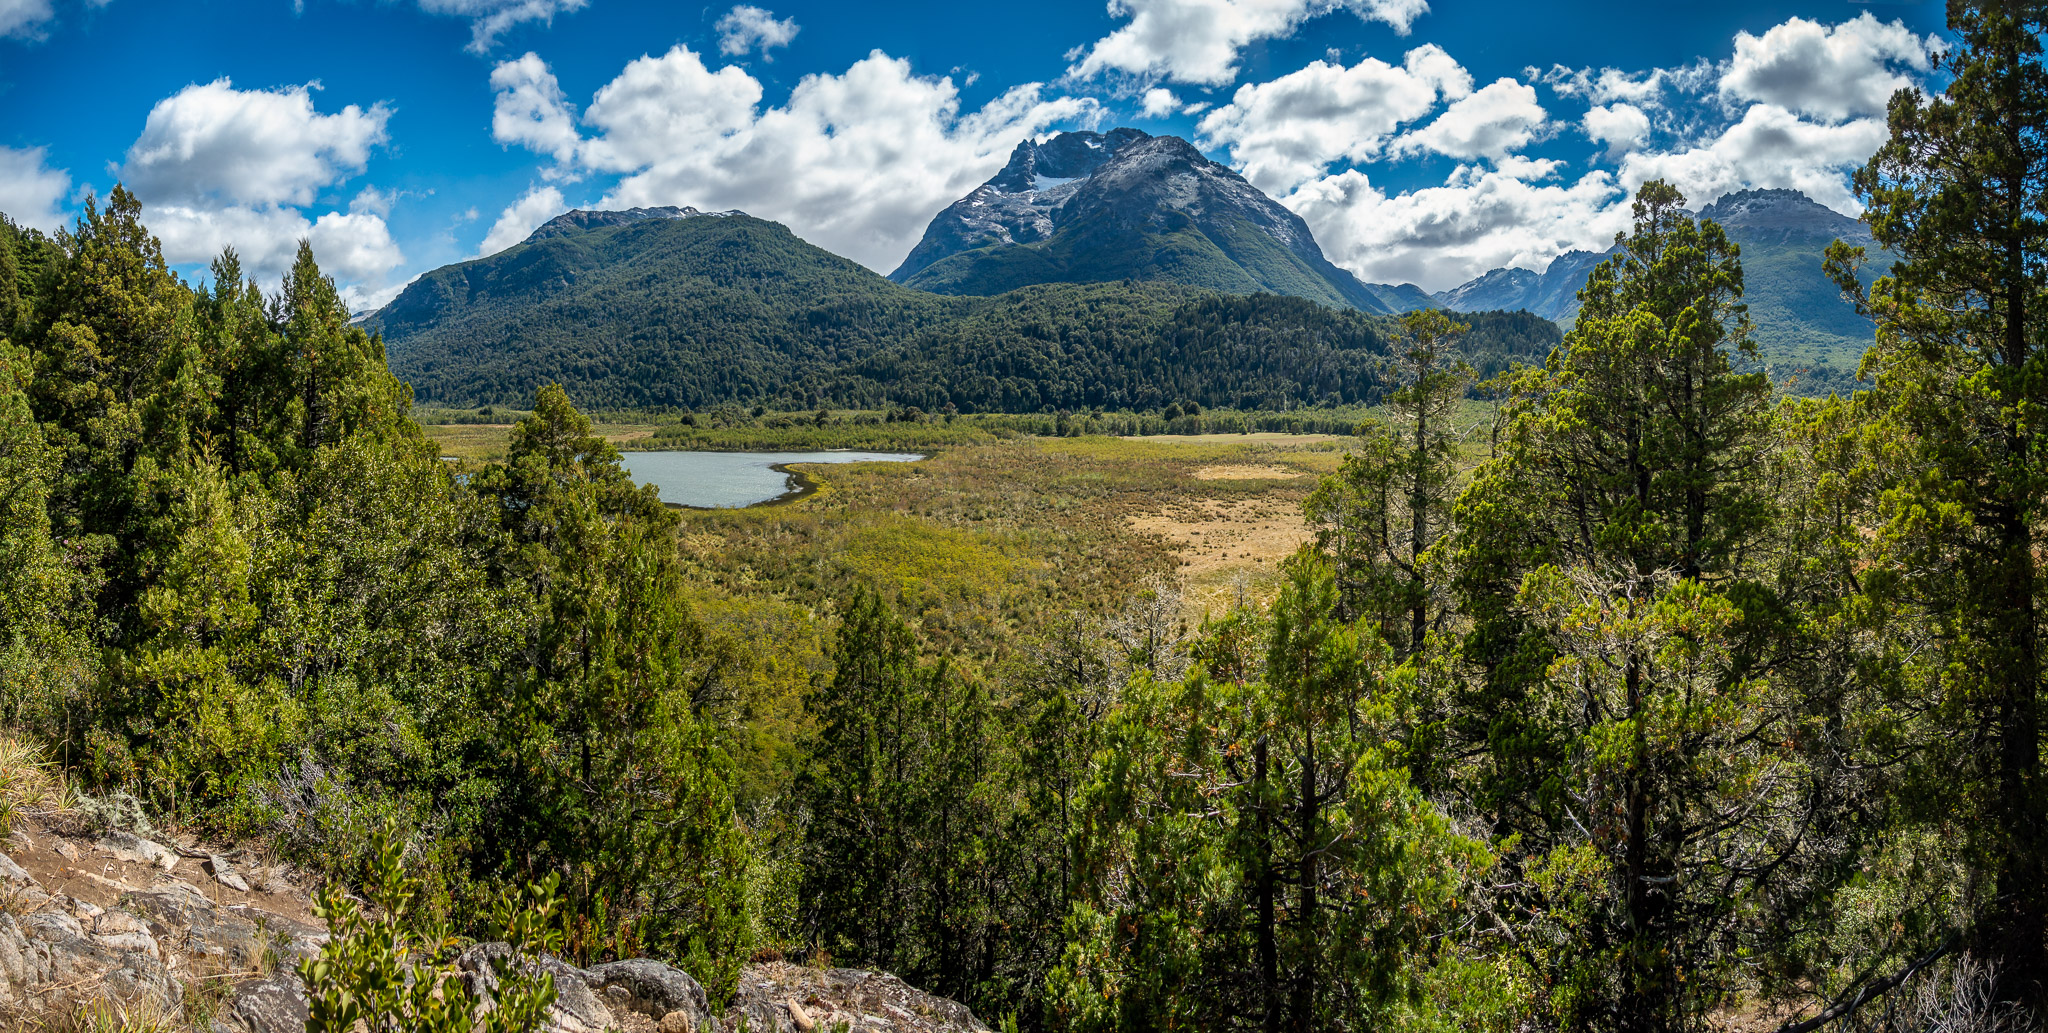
[[1960, 375], [1384, 510], [612, 777], [1594, 556]]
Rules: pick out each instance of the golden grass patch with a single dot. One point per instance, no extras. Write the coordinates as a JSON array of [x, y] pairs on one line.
[[29, 782], [1227, 545], [1244, 472]]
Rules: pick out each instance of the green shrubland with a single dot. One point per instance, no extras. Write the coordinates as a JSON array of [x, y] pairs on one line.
[[1651, 701]]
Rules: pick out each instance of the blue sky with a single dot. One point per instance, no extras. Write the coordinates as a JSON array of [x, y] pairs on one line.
[[1423, 140]]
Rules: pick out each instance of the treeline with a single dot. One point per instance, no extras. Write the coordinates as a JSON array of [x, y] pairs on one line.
[[731, 428], [1688, 704], [693, 313], [238, 583], [1073, 347]]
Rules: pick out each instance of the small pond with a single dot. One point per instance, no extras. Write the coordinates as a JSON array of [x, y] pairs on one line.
[[730, 480]]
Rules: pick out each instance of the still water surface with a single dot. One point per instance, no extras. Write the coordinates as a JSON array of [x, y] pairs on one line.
[[729, 480]]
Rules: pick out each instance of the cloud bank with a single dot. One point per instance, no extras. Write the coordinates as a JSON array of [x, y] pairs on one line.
[[855, 162]]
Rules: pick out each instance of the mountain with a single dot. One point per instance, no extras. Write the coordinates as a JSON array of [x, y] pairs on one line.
[[1405, 297], [1799, 317], [650, 306], [675, 307], [1552, 293], [1124, 205]]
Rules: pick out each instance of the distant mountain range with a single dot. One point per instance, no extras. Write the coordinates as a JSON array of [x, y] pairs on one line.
[[1124, 205], [1142, 236], [1800, 318], [676, 307]]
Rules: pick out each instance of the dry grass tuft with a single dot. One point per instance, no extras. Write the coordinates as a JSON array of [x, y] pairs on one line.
[[103, 1015], [30, 783]]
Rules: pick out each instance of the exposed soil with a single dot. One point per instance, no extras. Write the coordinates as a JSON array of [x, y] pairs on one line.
[[1227, 545], [1244, 473]]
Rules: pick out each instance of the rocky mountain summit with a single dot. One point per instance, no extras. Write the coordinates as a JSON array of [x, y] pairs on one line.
[[1017, 205], [1098, 207], [581, 220], [1552, 293], [160, 932], [1755, 217]]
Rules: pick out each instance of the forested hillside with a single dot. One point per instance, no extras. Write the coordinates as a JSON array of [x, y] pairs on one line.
[[1648, 701], [701, 309]]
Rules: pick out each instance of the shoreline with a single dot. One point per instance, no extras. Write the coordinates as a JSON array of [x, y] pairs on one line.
[[802, 485]]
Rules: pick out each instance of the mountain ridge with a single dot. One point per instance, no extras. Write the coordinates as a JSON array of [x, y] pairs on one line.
[[1800, 316], [662, 308], [1086, 207]]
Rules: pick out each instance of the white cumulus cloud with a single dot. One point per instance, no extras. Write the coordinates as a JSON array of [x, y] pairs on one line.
[[1769, 147], [1621, 126], [1159, 102], [489, 19], [1287, 131], [1480, 219], [31, 192], [1496, 121], [356, 248], [522, 217], [746, 28], [856, 162], [218, 167], [1197, 41], [1830, 72], [530, 109], [658, 107], [215, 143]]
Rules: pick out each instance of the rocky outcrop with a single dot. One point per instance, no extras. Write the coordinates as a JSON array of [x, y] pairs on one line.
[[138, 923], [794, 999]]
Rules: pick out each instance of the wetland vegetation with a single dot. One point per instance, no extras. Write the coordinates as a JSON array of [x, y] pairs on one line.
[[1616, 693]]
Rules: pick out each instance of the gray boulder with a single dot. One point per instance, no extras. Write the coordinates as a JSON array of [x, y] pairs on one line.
[[273, 1005], [129, 847], [654, 989], [576, 1008]]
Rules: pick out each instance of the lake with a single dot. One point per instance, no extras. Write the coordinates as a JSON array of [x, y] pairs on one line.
[[730, 480]]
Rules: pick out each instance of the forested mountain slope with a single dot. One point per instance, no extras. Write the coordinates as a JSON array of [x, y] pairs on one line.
[[672, 307], [678, 310], [1800, 317]]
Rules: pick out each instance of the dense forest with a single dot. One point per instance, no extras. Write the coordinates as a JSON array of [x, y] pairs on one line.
[[692, 312], [1664, 702]]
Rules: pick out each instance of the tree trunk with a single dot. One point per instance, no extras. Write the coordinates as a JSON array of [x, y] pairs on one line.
[[1269, 956], [2022, 918], [1303, 1005], [1418, 533]]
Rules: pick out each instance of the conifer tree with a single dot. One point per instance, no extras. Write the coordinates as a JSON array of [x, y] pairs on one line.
[[1385, 509], [1960, 380], [613, 777], [1595, 555]]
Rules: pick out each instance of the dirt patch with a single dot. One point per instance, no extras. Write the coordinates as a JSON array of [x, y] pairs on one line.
[[1270, 437], [1244, 473], [77, 867], [1228, 545]]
